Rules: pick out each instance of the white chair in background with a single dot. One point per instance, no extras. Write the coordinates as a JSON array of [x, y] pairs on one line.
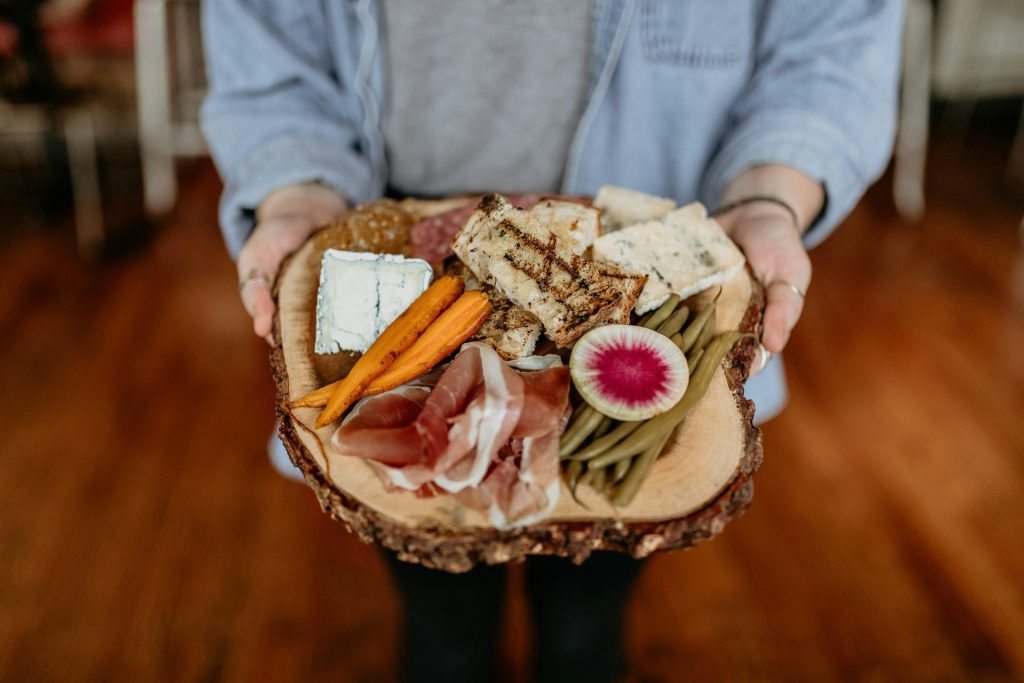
[[968, 50], [170, 86]]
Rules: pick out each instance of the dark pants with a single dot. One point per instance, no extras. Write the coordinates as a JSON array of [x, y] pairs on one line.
[[452, 621]]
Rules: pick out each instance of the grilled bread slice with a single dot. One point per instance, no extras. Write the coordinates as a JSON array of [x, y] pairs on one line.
[[509, 330], [581, 224], [538, 269]]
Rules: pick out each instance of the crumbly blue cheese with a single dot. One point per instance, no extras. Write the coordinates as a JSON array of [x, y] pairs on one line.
[[683, 252], [361, 294], [621, 207]]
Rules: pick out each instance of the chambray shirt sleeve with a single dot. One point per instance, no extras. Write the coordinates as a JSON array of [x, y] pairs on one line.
[[822, 99], [277, 112]]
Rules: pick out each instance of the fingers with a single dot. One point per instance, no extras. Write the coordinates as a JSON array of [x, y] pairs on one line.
[[286, 219], [259, 304], [257, 268], [258, 265], [779, 260], [783, 309], [263, 313]]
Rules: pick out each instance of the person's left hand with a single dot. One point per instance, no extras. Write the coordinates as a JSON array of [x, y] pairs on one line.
[[777, 257]]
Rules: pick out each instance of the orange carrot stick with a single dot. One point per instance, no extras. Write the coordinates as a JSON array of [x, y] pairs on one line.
[[457, 324], [317, 398], [398, 337]]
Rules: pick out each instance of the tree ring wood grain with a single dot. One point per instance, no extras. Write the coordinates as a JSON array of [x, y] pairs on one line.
[[700, 490]]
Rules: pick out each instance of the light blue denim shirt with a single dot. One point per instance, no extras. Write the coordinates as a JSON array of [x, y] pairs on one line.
[[683, 95]]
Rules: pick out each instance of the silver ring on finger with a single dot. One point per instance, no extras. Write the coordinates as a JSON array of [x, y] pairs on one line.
[[253, 276], [789, 285], [766, 356]]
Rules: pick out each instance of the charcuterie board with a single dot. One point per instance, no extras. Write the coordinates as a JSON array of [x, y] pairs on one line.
[[702, 480]]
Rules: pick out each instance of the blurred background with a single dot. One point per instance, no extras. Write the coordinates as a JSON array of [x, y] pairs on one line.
[[144, 536]]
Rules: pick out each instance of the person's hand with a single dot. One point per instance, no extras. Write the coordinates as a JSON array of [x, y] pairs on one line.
[[777, 257], [285, 220]]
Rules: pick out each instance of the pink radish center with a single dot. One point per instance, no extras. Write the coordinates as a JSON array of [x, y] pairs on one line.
[[631, 373]]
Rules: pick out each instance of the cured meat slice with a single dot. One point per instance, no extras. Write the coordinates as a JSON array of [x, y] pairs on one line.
[[543, 402], [522, 486], [432, 237], [484, 430], [449, 398], [485, 426], [383, 428]]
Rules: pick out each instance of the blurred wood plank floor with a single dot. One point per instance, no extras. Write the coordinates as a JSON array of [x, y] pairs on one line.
[[144, 537]]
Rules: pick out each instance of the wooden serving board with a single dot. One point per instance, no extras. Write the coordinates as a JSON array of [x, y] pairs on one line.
[[700, 483]]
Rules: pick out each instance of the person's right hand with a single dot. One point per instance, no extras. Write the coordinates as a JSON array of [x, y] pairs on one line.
[[285, 220]]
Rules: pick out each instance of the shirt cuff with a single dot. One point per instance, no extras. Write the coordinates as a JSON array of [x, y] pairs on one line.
[[801, 140], [289, 160]]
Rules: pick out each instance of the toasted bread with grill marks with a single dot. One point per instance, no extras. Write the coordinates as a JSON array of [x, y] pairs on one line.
[[538, 270], [509, 330], [581, 224]]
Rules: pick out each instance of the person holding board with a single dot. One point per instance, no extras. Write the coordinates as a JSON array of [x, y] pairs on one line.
[[777, 114]]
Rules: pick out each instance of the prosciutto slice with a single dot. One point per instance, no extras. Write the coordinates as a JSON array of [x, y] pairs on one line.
[[384, 429], [483, 430]]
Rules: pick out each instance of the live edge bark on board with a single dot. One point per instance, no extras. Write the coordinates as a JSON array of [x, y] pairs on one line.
[[702, 481]]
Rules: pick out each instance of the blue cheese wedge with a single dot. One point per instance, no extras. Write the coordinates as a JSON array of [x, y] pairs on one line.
[[361, 294], [621, 207], [683, 252]]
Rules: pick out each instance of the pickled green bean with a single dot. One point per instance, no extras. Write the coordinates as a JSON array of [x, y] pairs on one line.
[[627, 491], [576, 420], [621, 470], [647, 435], [693, 331], [675, 322], [614, 455], [705, 336], [578, 433], [661, 314], [599, 446], [581, 409], [604, 451], [691, 363], [571, 476]]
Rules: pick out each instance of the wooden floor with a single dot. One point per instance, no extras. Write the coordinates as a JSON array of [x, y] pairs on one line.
[[144, 537]]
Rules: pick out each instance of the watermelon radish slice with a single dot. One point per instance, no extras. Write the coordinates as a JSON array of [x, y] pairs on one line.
[[627, 372]]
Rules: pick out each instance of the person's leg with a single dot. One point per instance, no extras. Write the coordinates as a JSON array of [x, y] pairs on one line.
[[578, 613], [451, 622]]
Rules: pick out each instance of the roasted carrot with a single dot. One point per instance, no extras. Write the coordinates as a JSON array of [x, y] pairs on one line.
[[448, 332], [442, 337], [457, 324], [398, 337], [317, 398]]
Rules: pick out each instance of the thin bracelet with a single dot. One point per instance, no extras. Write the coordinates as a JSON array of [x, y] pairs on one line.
[[754, 198]]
